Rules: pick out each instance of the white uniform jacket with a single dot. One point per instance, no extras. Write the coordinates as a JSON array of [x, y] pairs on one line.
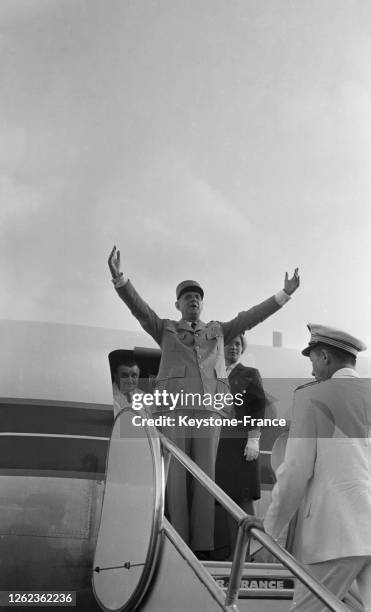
[[327, 468]]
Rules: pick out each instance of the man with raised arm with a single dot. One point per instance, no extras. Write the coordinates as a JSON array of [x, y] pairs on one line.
[[192, 361]]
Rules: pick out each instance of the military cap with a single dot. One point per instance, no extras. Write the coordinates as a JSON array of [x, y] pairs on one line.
[[189, 285], [322, 334]]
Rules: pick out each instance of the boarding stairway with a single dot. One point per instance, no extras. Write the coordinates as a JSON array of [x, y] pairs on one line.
[[265, 586], [261, 583], [141, 563]]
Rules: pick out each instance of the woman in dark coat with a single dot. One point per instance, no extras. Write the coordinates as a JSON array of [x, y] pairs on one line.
[[237, 463]]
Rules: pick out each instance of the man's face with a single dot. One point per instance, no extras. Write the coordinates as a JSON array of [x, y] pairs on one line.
[[190, 305], [233, 351], [320, 369], [127, 378]]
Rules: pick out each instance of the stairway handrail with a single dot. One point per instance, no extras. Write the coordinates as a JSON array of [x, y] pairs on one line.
[[245, 523]]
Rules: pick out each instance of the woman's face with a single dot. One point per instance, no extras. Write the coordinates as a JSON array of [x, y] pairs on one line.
[[233, 351]]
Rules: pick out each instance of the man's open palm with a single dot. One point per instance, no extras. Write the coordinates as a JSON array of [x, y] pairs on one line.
[[291, 284], [114, 262]]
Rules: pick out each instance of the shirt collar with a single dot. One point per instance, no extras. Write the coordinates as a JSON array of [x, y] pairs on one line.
[[187, 324], [231, 367], [345, 373]]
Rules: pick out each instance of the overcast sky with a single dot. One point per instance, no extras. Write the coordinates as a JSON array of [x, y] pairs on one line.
[[222, 140]]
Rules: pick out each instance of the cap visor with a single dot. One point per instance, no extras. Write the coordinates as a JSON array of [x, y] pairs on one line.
[[307, 350], [191, 288]]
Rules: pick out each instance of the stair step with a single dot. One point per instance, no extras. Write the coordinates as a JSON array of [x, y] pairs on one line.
[[259, 580]]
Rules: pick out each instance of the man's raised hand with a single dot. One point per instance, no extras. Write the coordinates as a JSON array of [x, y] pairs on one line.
[[114, 263], [291, 284]]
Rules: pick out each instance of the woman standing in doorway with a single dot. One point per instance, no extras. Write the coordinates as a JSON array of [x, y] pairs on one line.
[[237, 463]]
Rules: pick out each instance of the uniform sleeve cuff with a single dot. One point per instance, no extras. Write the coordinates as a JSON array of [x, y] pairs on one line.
[[254, 434], [282, 297], [119, 281]]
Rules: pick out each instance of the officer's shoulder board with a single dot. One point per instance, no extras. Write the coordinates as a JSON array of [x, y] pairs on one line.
[[308, 384]]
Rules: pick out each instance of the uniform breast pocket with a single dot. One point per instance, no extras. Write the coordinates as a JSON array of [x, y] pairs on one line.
[[173, 382], [175, 372], [174, 341], [183, 339]]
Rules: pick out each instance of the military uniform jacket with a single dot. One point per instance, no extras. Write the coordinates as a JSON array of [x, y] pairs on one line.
[[192, 361], [327, 472]]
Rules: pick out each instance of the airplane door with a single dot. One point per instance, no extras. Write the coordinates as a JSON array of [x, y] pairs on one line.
[[129, 535]]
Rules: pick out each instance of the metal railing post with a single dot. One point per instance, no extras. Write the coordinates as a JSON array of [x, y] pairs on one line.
[[237, 564]]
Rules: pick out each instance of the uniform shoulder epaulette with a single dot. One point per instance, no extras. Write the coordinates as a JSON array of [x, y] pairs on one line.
[[308, 384]]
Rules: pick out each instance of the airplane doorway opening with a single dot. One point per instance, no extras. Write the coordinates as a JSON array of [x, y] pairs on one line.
[[146, 359]]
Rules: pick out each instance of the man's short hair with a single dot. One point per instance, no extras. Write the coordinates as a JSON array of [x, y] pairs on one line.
[[130, 363], [119, 358], [336, 353]]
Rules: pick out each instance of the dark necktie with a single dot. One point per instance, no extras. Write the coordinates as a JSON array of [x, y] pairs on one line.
[[193, 325]]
